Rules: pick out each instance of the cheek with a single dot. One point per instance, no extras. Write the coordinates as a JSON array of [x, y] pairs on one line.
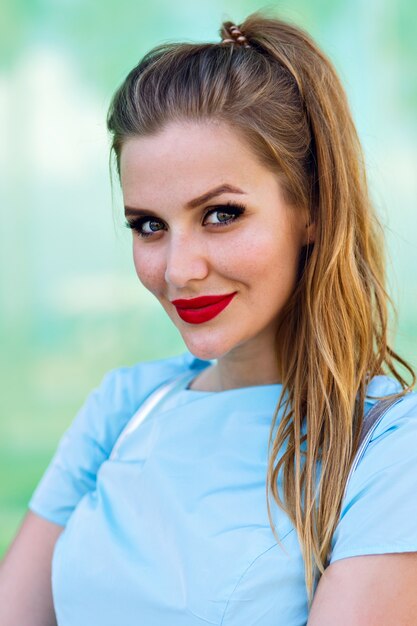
[[270, 257], [268, 267], [149, 268]]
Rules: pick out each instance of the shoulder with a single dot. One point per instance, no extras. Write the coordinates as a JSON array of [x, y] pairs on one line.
[[377, 525], [379, 507], [121, 391], [394, 438], [88, 441], [401, 416]]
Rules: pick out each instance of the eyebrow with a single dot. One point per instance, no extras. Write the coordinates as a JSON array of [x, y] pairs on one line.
[[192, 204]]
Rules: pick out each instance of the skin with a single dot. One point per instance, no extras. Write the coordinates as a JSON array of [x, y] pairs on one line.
[[368, 590], [25, 574], [190, 256]]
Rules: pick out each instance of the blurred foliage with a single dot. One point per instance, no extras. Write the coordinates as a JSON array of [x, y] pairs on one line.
[[105, 39]]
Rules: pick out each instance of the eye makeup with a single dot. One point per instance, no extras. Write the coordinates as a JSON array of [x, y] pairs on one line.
[[232, 209]]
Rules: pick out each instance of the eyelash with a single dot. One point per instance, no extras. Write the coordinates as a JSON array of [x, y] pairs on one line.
[[232, 208]]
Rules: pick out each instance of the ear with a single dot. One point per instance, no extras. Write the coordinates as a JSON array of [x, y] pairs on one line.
[[310, 233]]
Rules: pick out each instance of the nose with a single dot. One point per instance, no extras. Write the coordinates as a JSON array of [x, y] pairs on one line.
[[185, 261]]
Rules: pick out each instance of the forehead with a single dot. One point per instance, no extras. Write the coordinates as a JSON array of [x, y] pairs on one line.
[[187, 158]]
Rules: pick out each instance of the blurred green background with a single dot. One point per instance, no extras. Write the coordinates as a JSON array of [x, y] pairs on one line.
[[71, 305]]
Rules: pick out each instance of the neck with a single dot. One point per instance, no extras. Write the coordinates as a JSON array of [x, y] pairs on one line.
[[235, 370]]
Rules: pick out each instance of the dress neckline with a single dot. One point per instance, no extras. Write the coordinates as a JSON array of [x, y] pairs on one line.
[[189, 379]]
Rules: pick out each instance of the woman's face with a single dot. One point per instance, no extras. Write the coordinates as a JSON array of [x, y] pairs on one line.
[[186, 246]]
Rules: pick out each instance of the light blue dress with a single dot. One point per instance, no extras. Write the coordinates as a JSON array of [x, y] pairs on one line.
[[173, 530]]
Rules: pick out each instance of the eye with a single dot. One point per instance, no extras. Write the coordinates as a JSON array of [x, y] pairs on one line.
[[224, 214], [220, 215], [144, 226]]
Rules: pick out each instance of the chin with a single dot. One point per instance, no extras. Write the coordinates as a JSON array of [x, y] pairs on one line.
[[206, 351]]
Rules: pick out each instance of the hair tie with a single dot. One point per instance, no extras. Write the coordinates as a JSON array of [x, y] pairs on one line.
[[236, 36]]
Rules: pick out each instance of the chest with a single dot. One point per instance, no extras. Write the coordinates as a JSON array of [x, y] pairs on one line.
[[177, 532]]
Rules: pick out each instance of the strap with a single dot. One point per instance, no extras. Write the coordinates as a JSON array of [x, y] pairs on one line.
[[155, 398], [370, 421]]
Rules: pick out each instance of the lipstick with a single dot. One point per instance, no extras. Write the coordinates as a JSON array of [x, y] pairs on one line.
[[202, 309]]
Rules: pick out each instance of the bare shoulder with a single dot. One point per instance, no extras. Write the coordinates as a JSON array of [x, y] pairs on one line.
[[368, 590], [25, 574]]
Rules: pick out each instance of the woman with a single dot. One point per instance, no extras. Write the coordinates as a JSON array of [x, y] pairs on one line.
[[244, 186]]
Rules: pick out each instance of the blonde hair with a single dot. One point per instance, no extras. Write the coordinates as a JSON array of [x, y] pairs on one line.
[[284, 97]]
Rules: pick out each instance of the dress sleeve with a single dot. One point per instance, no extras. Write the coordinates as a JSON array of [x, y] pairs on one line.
[[379, 509], [89, 440], [83, 447]]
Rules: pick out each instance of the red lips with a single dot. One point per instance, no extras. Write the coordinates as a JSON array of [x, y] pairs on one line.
[[202, 309]]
